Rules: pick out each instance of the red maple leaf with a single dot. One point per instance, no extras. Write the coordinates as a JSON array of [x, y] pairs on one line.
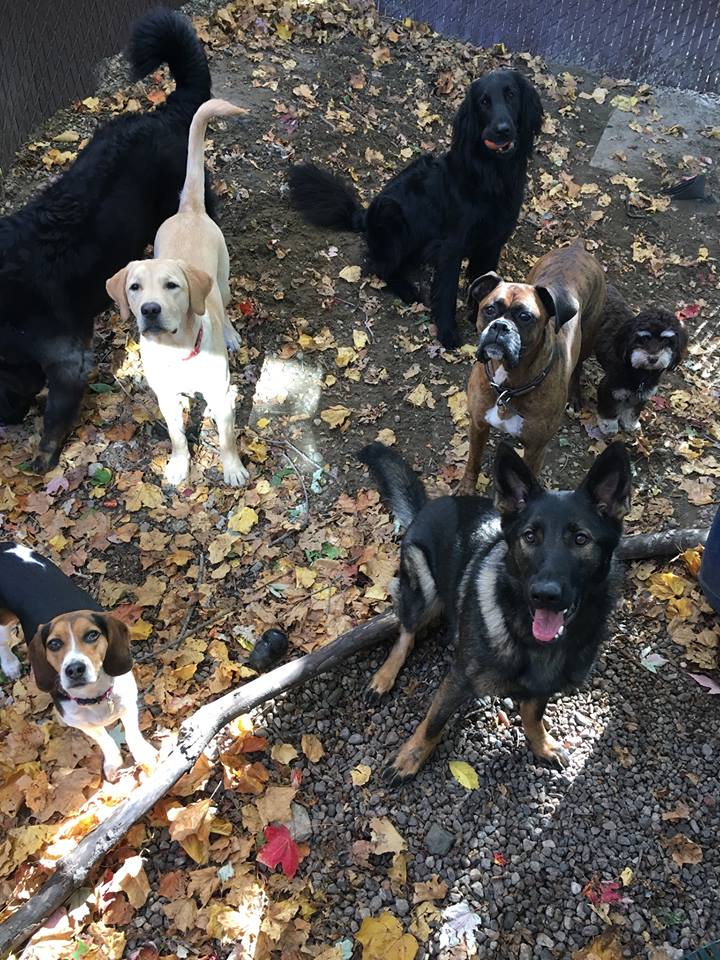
[[280, 848], [688, 312], [602, 891], [499, 859], [246, 308]]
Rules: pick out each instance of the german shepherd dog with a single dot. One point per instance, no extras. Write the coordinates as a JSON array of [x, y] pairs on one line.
[[526, 585]]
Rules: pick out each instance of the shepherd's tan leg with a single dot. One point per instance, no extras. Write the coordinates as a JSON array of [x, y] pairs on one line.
[[541, 743], [384, 679]]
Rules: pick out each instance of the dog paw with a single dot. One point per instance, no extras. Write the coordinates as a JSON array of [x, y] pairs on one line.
[[450, 339], [41, 463], [407, 761], [234, 473], [11, 666], [553, 754], [633, 426], [232, 337], [466, 488], [146, 756], [111, 771], [177, 470], [377, 689]]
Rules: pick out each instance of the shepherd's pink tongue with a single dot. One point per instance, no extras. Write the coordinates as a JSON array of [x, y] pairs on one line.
[[546, 624]]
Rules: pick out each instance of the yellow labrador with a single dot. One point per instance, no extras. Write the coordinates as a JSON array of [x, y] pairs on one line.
[[179, 300]]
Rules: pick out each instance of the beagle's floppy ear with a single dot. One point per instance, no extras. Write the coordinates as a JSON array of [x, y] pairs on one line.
[[558, 303], [118, 659], [115, 287], [199, 286], [482, 285], [45, 675]]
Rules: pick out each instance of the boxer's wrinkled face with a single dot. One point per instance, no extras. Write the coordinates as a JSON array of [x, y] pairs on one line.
[[511, 320]]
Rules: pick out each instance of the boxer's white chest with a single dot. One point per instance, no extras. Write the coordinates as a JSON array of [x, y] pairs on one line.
[[512, 424]]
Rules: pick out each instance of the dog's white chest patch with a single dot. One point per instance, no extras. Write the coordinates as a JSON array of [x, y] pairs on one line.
[[512, 425]]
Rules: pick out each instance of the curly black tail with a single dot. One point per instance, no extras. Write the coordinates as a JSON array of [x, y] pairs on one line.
[[164, 36], [324, 199], [400, 487]]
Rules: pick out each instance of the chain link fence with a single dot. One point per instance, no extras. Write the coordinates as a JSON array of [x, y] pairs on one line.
[[49, 54], [670, 42]]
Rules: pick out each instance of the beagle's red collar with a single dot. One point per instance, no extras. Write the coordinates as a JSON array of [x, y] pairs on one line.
[[196, 349]]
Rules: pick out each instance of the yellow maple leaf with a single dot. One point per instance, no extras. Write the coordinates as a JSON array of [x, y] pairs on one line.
[[305, 577], [383, 938], [243, 521], [350, 274], [283, 753], [345, 355], [465, 775], [360, 339], [284, 31]]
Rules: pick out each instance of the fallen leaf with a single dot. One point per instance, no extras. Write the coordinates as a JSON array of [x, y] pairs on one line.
[[283, 753], [465, 775], [335, 416], [383, 938], [243, 521], [132, 880], [351, 274], [605, 947], [433, 889], [683, 850], [385, 838], [279, 848], [386, 436], [459, 927], [681, 811], [360, 774], [711, 685], [312, 748]]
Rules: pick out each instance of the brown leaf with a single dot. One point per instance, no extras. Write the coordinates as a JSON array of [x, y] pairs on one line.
[[312, 748], [681, 811], [433, 889], [683, 850], [385, 838], [605, 947]]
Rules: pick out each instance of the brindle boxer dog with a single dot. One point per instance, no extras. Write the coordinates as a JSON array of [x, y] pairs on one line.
[[530, 351]]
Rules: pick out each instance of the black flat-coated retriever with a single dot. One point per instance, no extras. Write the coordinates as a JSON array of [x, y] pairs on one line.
[[57, 252], [438, 210]]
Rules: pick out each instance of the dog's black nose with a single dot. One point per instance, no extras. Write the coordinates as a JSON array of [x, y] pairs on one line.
[[502, 129], [545, 593], [150, 310], [75, 670]]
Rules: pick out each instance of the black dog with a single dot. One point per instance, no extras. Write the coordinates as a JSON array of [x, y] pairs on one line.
[[526, 587], [56, 252], [439, 210], [634, 352]]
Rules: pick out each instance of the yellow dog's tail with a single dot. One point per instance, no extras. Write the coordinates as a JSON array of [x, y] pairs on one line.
[[192, 198]]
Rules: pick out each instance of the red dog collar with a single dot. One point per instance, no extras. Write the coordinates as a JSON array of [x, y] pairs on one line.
[[84, 701], [196, 349]]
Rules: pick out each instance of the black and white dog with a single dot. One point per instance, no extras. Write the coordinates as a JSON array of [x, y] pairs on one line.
[[634, 350], [439, 210], [526, 586]]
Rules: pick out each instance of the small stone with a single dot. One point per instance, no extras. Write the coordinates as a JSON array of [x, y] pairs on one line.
[[300, 825], [402, 907], [439, 841]]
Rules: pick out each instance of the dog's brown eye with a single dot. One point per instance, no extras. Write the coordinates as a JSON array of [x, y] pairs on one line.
[[581, 539], [485, 102], [91, 636], [509, 94], [529, 536], [490, 311], [134, 286], [54, 644], [525, 316], [171, 285]]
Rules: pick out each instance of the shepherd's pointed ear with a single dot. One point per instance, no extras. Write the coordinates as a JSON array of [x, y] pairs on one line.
[[609, 481], [515, 483]]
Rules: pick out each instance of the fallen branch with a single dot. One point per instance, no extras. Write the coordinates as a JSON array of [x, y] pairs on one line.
[[200, 728], [195, 734], [668, 543]]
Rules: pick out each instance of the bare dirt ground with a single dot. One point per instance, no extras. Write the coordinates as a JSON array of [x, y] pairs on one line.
[[619, 851]]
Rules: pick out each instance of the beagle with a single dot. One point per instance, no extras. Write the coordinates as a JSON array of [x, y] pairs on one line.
[[79, 653], [179, 300]]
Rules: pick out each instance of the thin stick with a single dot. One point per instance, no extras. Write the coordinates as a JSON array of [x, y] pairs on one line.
[[195, 734]]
